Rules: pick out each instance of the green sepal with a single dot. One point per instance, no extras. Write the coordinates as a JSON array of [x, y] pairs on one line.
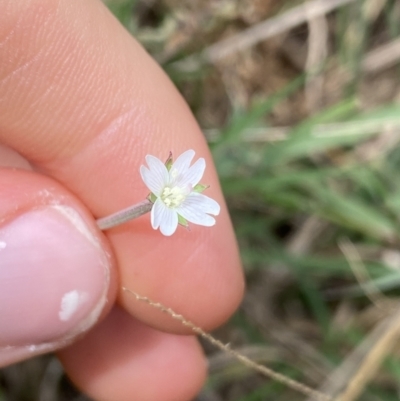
[[151, 197], [200, 188], [169, 162], [182, 221]]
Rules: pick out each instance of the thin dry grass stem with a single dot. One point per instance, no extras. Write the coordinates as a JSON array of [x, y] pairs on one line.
[[262, 31], [372, 9], [259, 354], [258, 301], [269, 373], [361, 274], [373, 359], [384, 56], [370, 354], [360, 366], [316, 56], [304, 238]]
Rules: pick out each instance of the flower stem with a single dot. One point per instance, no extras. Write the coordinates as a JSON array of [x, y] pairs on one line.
[[130, 213]]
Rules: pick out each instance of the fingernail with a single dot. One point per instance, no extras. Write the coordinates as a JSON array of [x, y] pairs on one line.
[[53, 277]]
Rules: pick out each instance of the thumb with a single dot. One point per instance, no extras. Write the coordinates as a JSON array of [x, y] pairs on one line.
[[55, 267]]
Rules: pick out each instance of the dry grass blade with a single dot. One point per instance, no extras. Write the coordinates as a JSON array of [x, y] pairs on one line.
[[361, 365], [317, 53], [364, 362], [360, 272], [271, 374], [382, 57], [389, 336], [264, 30]]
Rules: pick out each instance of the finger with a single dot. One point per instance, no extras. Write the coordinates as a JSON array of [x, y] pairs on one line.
[[137, 363], [83, 102], [10, 158], [55, 266]]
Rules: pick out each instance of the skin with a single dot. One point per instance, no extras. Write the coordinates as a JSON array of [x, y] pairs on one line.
[[82, 104]]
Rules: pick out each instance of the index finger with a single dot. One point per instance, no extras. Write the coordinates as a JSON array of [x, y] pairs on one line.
[[85, 103]]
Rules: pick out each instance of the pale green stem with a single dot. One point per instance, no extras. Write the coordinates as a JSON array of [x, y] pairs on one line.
[[130, 213]]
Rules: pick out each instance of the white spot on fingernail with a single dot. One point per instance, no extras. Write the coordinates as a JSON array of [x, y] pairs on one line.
[[70, 303], [2, 244]]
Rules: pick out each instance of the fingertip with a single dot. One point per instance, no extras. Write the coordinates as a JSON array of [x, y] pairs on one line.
[[123, 360]]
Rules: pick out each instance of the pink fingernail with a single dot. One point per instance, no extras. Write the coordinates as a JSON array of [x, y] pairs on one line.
[[53, 277]]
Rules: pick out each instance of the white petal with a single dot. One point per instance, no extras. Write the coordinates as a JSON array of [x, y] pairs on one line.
[[156, 177], [152, 182], [196, 216], [164, 218], [169, 222], [204, 203], [182, 163], [157, 212], [193, 175], [197, 207]]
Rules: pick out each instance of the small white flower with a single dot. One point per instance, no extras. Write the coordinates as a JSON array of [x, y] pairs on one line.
[[177, 193]]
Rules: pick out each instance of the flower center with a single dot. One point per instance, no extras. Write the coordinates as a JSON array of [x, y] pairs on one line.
[[173, 197]]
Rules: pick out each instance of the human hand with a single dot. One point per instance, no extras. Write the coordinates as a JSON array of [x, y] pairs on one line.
[[81, 104]]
